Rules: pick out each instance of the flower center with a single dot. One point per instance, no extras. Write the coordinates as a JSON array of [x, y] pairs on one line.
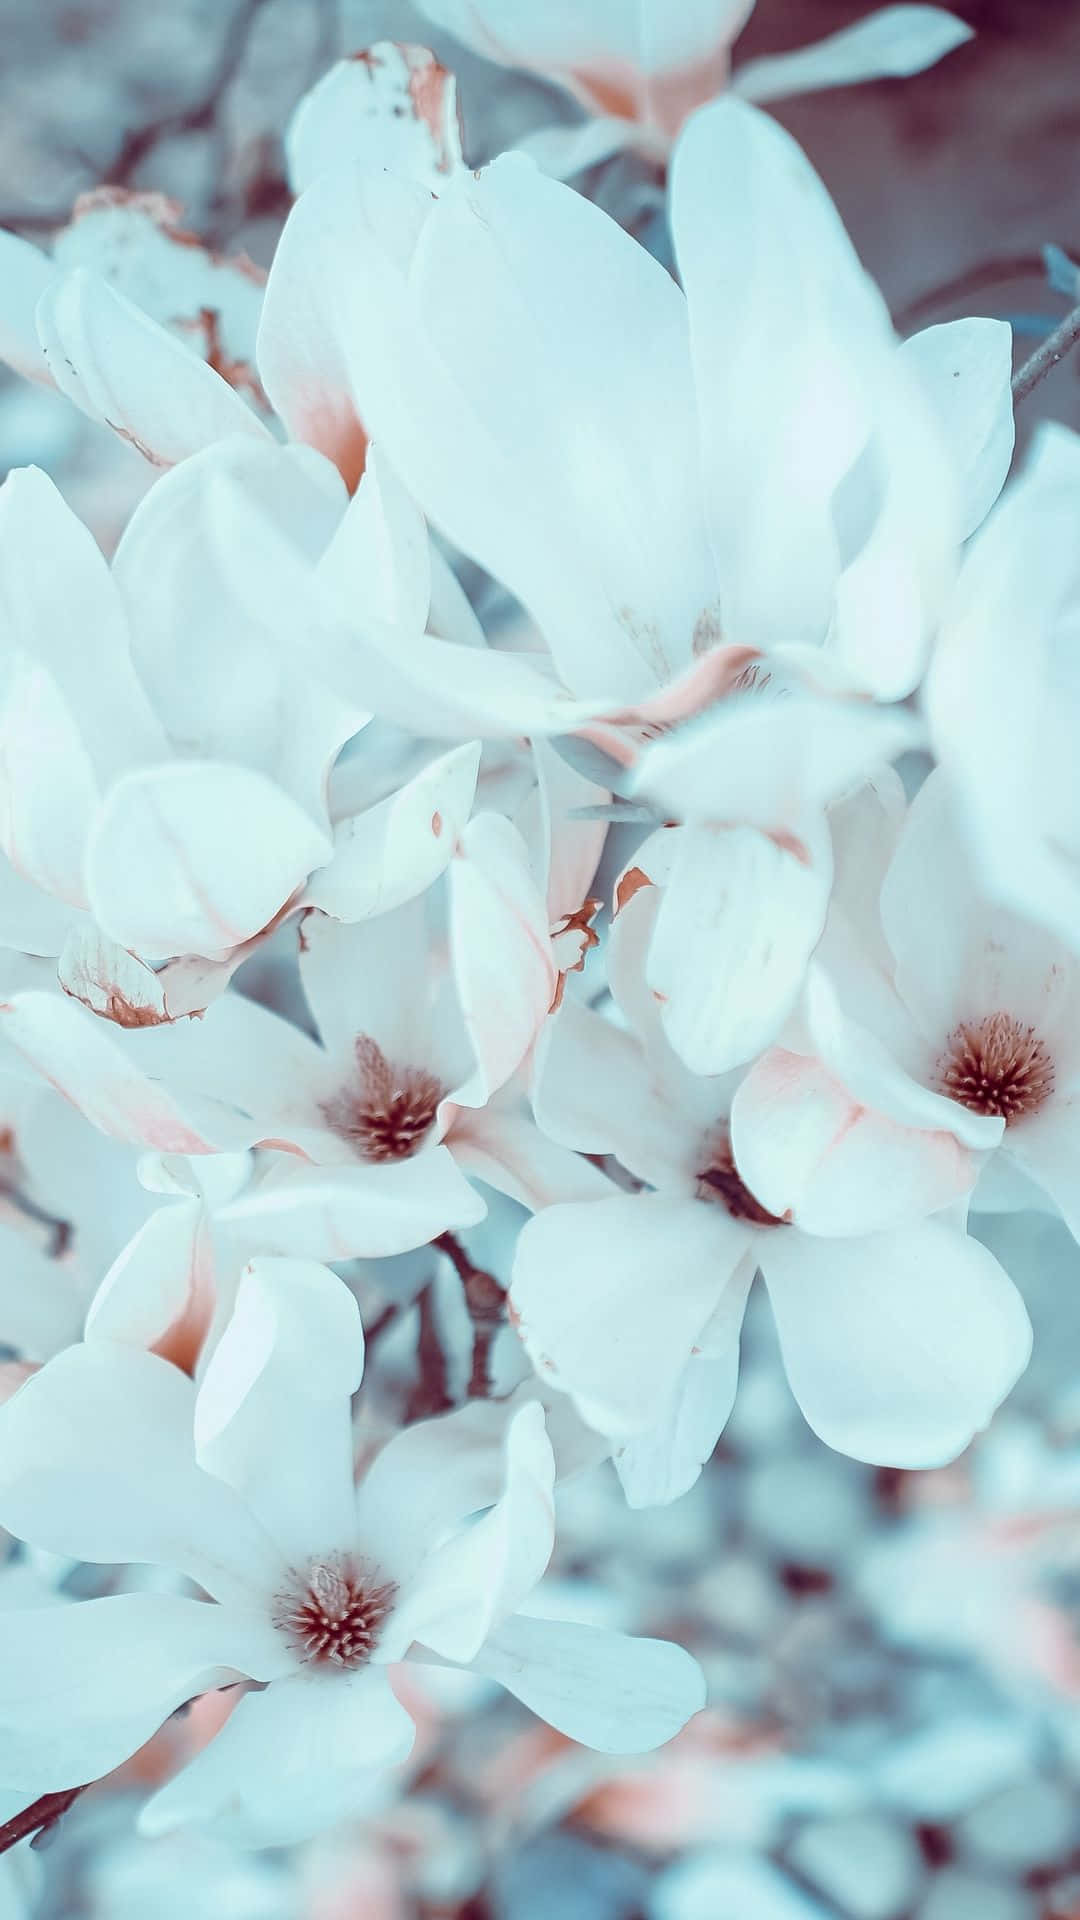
[[333, 1613], [387, 1112], [996, 1066], [720, 1182]]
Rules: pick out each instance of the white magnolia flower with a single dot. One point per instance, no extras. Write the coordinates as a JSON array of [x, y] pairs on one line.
[[668, 483], [642, 69], [900, 1336], [939, 1001], [316, 1589]]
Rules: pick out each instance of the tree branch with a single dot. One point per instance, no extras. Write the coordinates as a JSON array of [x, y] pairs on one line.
[[39, 1818], [430, 1394], [485, 1300], [1047, 357]]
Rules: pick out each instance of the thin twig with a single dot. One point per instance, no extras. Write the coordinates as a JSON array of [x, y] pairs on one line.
[[430, 1394], [485, 1299], [1046, 358], [38, 1818]]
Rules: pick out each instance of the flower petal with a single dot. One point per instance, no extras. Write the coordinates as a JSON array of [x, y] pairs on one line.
[[899, 1347], [503, 965], [611, 1297], [83, 1687], [288, 1761], [891, 43], [610, 1691], [965, 368], [350, 1212], [392, 106], [391, 852]]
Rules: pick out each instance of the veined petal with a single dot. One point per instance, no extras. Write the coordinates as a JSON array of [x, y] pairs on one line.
[[611, 1296], [273, 1416], [288, 1761], [610, 1691], [98, 1462], [82, 1687], [899, 1347]]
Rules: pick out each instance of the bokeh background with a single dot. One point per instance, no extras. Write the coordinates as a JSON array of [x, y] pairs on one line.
[[893, 1659]]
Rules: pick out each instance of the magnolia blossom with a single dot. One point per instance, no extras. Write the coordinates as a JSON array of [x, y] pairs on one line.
[[899, 1334], [641, 70], [315, 1591], [939, 999]]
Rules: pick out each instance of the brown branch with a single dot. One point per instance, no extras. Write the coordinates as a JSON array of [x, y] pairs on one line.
[[430, 1394], [1047, 357], [485, 1300], [37, 1819]]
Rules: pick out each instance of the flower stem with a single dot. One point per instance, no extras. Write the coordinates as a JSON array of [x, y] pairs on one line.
[[1046, 358]]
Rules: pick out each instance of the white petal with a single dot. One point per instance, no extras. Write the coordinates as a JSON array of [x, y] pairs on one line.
[[965, 367], [346, 1212], [894, 42], [1047, 1147], [737, 924], [659, 1466], [82, 1687], [288, 1761], [393, 106], [607, 1690], [468, 1585], [594, 1091], [503, 966], [160, 1285], [132, 375], [25, 272], [194, 858], [390, 853], [40, 1298], [611, 1296], [898, 1347], [98, 1462], [502, 1145], [273, 1416], [83, 1058]]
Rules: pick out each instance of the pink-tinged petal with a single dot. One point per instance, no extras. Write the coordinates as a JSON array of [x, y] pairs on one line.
[[197, 857], [892, 43], [79, 1056], [273, 1416], [503, 1146], [965, 368], [128, 373], [611, 1296], [1047, 1148], [468, 1585], [109, 980], [389, 854], [595, 1091], [809, 1152], [390, 106], [657, 1467], [160, 1291], [41, 1301], [351, 1212], [899, 1347], [959, 955], [98, 1462], [735, 929], [567, 849], [25, 273], [607, 1690], [299, 1756], [503, 965], [84, 1686]]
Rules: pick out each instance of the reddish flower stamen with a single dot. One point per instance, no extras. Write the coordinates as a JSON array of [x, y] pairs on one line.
[[333, 1613], [720, 1182], [997, 1066], [388, 1111]]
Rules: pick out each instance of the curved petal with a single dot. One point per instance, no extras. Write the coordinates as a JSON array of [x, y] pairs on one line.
[[297, 1757], [893, 42], [594, 1091], [657, 1467], [161, 1284], [1047, 1148], [25, 273], [97, 1461], [273, 1416], [965, 369], [737, 924], [610, 1691], [502, 1145], [41, 1303], [504, 969], [391, 106], [899, 1347], [348, 1212], [390, 853], [82, 1687], [611, 1296], [196, 857], [469, 1584]]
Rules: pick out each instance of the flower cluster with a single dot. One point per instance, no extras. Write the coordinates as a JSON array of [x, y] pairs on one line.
[[559, 803]]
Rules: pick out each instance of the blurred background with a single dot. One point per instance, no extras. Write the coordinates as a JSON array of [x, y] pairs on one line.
[[893, 1658]]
